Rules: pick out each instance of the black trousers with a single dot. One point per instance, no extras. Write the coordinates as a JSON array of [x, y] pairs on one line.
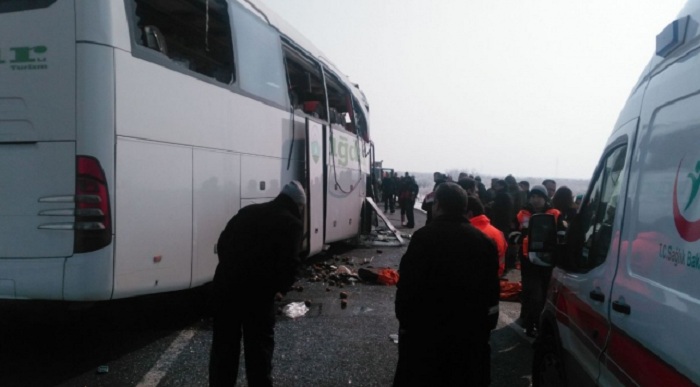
[[435, 359], [535, 280], [388, 202], [407, 206], [254, 321]]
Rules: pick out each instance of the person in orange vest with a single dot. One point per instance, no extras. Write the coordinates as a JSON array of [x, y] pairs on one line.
[[535, 273], [475, 214]]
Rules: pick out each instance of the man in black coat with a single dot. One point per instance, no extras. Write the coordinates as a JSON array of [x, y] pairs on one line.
[[447, 299], [500, 210], [258, 258]]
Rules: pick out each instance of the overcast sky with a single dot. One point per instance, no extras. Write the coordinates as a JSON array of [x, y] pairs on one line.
[[527, 87]]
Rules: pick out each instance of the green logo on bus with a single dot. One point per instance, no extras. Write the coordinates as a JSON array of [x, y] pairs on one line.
[[344, 150], [24, 58]]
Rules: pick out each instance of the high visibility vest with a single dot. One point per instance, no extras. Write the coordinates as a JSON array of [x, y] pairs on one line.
[[524, 221]]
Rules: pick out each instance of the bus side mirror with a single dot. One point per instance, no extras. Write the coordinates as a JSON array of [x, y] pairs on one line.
[[542, 234]]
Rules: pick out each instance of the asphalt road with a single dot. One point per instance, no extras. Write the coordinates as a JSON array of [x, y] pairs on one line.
[[164, 340]]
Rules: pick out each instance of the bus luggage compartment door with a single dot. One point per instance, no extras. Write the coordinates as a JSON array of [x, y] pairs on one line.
[[37, 199]]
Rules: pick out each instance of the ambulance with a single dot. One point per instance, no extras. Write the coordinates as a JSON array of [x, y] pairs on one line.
[[623, 305]]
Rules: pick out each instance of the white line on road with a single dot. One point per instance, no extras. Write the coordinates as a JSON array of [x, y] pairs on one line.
[[160, 369]]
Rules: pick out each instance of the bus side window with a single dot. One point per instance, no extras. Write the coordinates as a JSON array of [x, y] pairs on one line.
[[305, 84], [339, 103], [194, 35], [359, 119], [155, 39]]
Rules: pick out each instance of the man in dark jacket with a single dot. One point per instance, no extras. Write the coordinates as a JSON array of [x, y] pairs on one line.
[[388, 192], [500, 210], [447, 299], [408, 191], [258, 258]]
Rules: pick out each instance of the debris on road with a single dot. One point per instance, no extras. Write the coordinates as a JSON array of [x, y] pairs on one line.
[[295, 309], [380, 238]]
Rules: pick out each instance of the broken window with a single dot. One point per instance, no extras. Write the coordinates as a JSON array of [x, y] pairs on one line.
[[360, 120], [339, 103], [305, 84], [194, 34]]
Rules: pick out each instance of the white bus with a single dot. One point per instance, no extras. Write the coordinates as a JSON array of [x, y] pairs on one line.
[[132, 130]]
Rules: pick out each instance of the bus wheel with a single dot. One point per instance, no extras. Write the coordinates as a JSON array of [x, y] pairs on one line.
[[547, 362]]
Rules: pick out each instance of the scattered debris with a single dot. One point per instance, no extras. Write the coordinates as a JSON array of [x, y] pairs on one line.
[[379, 237], [394, 337], [103, 369], [384, 275], [343, 304], [343, 295], [295, 309]]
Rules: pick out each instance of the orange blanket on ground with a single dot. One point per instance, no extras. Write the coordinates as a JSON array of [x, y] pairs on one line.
[[510, 291]]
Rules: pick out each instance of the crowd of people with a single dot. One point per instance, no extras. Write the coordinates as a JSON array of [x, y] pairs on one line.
[[507, 206], [448, 292], [501, 213]]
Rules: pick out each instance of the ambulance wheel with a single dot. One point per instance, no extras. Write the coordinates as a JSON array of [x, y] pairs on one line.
[[547, 362]]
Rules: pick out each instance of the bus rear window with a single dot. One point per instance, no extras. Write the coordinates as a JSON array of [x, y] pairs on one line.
[[23, 5], [194, 34]]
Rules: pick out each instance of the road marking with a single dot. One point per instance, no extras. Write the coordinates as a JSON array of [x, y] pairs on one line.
[[160, 369]]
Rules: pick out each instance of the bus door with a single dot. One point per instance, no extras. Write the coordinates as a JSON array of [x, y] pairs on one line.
[[316, 192], [37, 128]]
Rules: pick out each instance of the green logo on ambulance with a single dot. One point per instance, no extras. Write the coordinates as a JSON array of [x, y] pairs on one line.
[[695, 181]]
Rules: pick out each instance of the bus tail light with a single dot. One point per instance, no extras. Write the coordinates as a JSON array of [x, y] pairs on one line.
[[93, 220]]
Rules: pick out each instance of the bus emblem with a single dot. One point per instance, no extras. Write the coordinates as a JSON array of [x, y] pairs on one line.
[[315, 151]]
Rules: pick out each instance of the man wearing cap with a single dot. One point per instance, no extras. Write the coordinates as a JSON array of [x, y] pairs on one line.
[[535, 273], [258, 258]]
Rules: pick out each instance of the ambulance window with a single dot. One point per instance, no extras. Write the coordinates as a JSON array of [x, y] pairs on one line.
[[598, 212]]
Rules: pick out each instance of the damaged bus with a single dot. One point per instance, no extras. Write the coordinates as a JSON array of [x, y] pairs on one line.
[[132, 130]]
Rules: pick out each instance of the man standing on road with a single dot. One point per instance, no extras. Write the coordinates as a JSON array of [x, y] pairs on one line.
[[445, 300], [475, 214], [258, 258]]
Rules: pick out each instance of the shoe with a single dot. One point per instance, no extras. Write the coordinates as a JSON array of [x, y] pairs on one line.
[[392, 211], [409, 226]]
